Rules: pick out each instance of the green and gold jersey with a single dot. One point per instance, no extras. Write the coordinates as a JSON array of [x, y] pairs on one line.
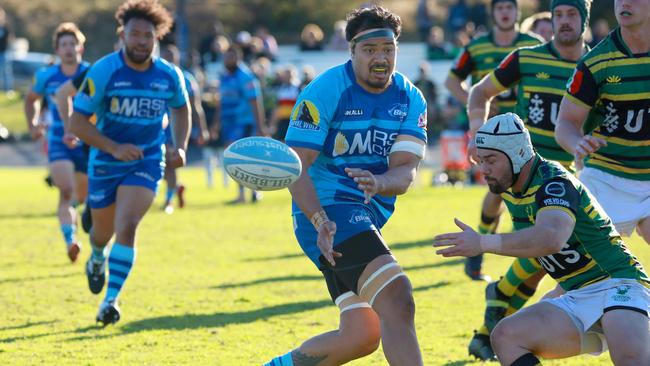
[[482, 55], [595, 251], [541, 75], [615, 84]]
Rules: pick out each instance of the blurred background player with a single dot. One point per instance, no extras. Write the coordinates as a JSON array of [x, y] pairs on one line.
[[603, 295], [478, 58], [540, 24], [540, 74], [130, 92], [66, 157], [608, 97], [241, 113], [171, 54], [347, 192]]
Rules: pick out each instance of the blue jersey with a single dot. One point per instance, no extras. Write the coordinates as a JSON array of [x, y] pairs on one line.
[[130, 105], [46, 82], [237, 89], [354, 128]]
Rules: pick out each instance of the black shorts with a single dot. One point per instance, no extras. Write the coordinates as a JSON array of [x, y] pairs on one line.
[[357, 251]]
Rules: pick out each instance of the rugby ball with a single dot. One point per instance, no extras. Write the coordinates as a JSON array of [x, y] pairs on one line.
[[262, 163]]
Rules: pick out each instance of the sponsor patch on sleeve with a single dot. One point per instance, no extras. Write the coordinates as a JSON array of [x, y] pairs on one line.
[[422, 120], [305, 116]]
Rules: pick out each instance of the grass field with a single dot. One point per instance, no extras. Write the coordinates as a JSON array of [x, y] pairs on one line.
[[216, 284]]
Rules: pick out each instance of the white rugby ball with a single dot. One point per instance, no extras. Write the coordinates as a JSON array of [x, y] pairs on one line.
[[262, 163]]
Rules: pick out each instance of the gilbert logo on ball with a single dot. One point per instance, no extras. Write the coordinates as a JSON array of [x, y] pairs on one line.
[[262, 163]]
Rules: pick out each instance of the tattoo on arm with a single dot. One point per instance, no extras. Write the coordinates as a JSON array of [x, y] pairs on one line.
[[301, 359]]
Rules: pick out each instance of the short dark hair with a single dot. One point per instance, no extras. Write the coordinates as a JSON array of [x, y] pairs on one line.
[[149, 10], [373, 17], [67, 29]]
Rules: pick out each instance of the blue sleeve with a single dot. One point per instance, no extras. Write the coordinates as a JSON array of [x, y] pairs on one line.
[[251, 87], [311, 116], [39, 81], [415, 123], [180, 97], [92, 90]]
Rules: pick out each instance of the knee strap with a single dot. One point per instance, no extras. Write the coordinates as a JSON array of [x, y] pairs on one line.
[[378, 280]]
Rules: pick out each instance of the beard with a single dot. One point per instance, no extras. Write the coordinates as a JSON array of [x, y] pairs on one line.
[[135, 58], [497, 186], [566, 39]]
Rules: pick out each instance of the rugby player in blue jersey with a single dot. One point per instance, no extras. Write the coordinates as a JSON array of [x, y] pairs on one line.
[[359, 129], [67, 159], [130, 91]]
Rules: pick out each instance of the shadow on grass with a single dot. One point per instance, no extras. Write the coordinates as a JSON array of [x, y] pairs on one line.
[[460, 363], [319, 277], [27, 325], [26, 216], [38, 278]]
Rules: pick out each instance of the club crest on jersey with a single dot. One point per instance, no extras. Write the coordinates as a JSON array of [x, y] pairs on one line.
[[555, 189], [305, 116], [422, 120]]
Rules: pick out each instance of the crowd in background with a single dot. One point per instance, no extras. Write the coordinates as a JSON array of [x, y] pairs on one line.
[[281, 83]]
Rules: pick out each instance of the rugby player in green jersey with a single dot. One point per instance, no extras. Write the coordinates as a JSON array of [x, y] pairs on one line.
[[609, 98], [479, 57], [540, 73], [605, 293]]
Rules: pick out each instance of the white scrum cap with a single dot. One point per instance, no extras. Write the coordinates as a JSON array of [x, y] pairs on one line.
[[506, 133]]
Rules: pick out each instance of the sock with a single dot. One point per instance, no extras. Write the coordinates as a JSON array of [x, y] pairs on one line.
[[519, 298], [98, 254], [170, 194], [483, 330], [119, 265], [69, 233], [487, 225], [284, 360], [520, 270], [528, 359]]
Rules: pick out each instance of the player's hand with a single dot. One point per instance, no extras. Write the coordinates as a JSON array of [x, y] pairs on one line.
[[366, 181], [70, 140], [204, 137], [586, 145], [177, 158], [127, 152], [472, 152], [37, 131], [466, 243], [325, 241]]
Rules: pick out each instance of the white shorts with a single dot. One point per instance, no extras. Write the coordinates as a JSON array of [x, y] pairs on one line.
[[626, 201], [587, 305]]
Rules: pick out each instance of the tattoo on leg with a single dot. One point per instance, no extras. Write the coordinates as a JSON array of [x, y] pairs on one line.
[[301, 359]]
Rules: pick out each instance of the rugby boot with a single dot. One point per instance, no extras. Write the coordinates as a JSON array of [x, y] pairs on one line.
[[96, 274]]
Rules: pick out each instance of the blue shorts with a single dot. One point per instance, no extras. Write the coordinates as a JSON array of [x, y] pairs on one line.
[[105, 179], [232, 133], [57, 150], [350, 219]]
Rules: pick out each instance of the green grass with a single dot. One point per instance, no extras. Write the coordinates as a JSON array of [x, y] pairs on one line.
[[11, 113], [218, 284]]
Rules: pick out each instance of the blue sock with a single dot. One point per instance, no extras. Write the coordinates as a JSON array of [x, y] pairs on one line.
[[98, 254], [170, 194], [119, 265], [69, 233], [284, 360]]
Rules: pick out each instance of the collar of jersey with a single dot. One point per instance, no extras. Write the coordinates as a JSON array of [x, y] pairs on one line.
[[531, 175], [620, 44]]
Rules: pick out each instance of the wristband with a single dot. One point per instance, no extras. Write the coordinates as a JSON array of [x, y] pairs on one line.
[[491, 243], [318, 219]]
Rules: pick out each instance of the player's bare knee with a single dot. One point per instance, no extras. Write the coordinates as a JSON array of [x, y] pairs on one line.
[[505, 333], [127, 228], [630, 357], [66, 192], [398, 296]]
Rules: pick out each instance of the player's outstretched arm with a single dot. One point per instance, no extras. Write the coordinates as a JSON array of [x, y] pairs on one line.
[[568, 130], [457, 88], [32, 108], [198, 114], [552, 229], [478, 102], [81, 127]]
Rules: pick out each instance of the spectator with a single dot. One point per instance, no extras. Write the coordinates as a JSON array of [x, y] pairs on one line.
[[423, 18], [430, 92], [460, 40], [286, 94], [600, 30], [270, 45], [308, 74], [458, 15], [311, 38], [5, 64], [478, 14], [437, 49], [540, 24], [206, 44], [245, 42], [262, 70], [337, 41]]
